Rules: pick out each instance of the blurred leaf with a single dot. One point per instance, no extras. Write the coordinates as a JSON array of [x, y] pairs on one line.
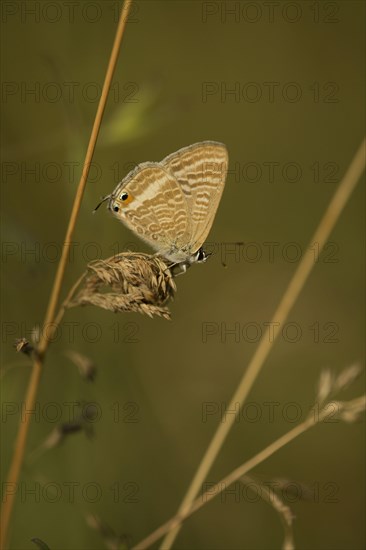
[[135, 119]]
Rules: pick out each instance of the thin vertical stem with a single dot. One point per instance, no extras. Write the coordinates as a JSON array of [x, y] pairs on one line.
[[46, 335], [265, 345]]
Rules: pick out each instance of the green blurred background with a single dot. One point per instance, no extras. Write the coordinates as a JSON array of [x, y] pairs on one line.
[[178, 63]]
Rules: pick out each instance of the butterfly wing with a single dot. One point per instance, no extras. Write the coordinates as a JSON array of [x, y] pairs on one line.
[[156, 207], [200, 169]]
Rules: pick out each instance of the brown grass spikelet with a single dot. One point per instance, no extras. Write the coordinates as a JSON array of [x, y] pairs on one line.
[[111, 539], [330, 385], [22, 345], [350, 411], [129, 281], [87, 367], [267, 494]]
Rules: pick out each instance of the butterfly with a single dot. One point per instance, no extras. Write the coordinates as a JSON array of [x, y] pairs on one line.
[[172, 204]]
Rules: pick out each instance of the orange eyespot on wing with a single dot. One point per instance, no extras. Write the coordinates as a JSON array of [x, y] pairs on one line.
[[121, 201], [125, 198]]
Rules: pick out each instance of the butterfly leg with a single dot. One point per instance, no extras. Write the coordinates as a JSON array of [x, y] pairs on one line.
[[179, 268]]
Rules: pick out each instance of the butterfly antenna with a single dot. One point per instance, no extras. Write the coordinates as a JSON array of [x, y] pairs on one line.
[[103, 199]]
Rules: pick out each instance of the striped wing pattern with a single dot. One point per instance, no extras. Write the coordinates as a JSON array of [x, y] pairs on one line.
[[200, 170], [158, 211]]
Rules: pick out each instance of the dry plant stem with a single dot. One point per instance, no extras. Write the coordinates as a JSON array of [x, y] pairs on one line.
[[18, 455], [293, 290], [235, 475], [61, 312]]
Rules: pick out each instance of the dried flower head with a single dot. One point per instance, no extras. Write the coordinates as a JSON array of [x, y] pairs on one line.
[[128, 282]]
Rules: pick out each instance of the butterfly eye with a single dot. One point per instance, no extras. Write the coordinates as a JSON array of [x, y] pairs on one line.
[[124, 196], [115, 208]]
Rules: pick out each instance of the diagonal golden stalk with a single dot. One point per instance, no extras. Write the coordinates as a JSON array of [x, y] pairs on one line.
[[290, 296], [239, 472], [46, 335]]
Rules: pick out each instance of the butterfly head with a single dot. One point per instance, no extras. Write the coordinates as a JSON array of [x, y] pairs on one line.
[[116, 202], [119, 201]]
